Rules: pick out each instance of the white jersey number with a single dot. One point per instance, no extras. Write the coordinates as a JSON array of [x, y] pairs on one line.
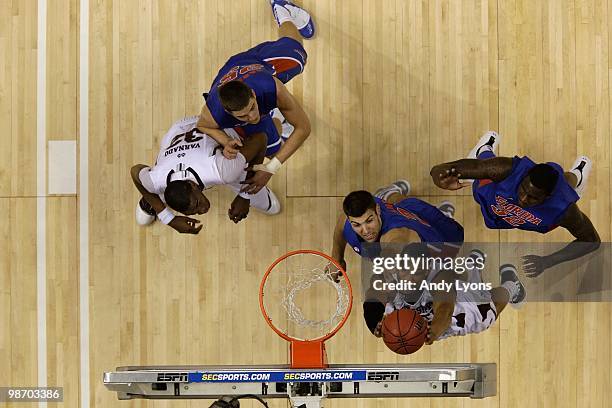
[[188, 137]]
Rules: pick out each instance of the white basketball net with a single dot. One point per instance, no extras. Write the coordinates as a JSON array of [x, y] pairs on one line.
[[302, 298]]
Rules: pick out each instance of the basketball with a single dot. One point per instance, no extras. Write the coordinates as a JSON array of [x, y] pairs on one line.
[[404, 331]]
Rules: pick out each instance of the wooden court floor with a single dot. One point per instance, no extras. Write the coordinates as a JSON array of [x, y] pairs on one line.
[[391, 89]]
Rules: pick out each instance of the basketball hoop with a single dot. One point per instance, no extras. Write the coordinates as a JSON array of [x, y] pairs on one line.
[[306, 297]]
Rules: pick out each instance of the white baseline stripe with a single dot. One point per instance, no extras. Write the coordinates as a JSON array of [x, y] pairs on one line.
[[41, 192], [84, 202]]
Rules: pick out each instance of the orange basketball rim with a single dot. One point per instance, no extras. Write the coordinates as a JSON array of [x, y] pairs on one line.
[[297, 286]]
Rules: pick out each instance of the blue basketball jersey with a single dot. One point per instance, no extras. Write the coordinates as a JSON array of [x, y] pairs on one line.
[[427, 221], [499, 201], [256, 74]]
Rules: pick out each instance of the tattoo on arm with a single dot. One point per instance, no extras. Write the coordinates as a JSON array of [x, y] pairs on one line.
[[496, 168]]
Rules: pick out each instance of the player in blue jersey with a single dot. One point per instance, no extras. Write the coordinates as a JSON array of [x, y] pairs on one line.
[[250, 86], [391, 217], [518, 193]]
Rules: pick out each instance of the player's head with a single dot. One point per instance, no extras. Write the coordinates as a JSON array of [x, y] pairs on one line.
[[364, 214], [239, 101], [186, 197], [537, 185]]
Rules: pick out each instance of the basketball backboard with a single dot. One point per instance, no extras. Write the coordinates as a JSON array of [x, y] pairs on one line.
[[305, 388]]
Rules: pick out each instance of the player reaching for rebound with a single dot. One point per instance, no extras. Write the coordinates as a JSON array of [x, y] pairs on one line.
[[517, 193], [474, 310], [250, 86], [188, 163], [391, 217]]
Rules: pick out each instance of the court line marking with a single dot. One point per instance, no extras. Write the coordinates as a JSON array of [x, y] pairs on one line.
[[83, 198], [41, 193]]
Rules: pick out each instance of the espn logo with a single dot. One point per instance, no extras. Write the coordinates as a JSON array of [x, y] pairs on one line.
[[172, 377], [383, 376]]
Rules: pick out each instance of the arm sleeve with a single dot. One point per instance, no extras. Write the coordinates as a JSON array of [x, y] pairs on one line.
[[373, 312]]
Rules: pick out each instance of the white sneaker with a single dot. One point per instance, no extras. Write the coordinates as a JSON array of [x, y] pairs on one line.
[[143, 213], [488, 141], [510, 280], [274, 207], [400, 186], [285, 10], [286, 127], [581, 168]]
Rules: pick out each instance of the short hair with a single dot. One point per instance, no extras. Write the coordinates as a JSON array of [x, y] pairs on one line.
[[357, 203], [544, 177], [234, 95], [177, 195]]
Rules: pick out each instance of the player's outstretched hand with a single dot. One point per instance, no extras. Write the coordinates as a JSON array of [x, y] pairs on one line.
[[333, 272], [378, 329], [436, 328], [534, 265], [231, 148], [185, 225], [239, 209], [253, 184], [450, 180]]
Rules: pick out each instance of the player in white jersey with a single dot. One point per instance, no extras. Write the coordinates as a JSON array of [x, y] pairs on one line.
[[190, 162], [474, 310]]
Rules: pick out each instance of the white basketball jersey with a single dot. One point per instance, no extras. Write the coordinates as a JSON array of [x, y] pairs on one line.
[[186, 154], [423, 306], [473, 313]]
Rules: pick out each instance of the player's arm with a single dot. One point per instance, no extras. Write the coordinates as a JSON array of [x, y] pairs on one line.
[[254, 148], [377, 300], [254, 152], [448, 175], [151, 198], [374, 314], [443, 302], [208, 125], [399, 235], [293, 112], [443, 307], [180, 223], [339, 243], [396, 236], [410, 243], [587, 240]]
